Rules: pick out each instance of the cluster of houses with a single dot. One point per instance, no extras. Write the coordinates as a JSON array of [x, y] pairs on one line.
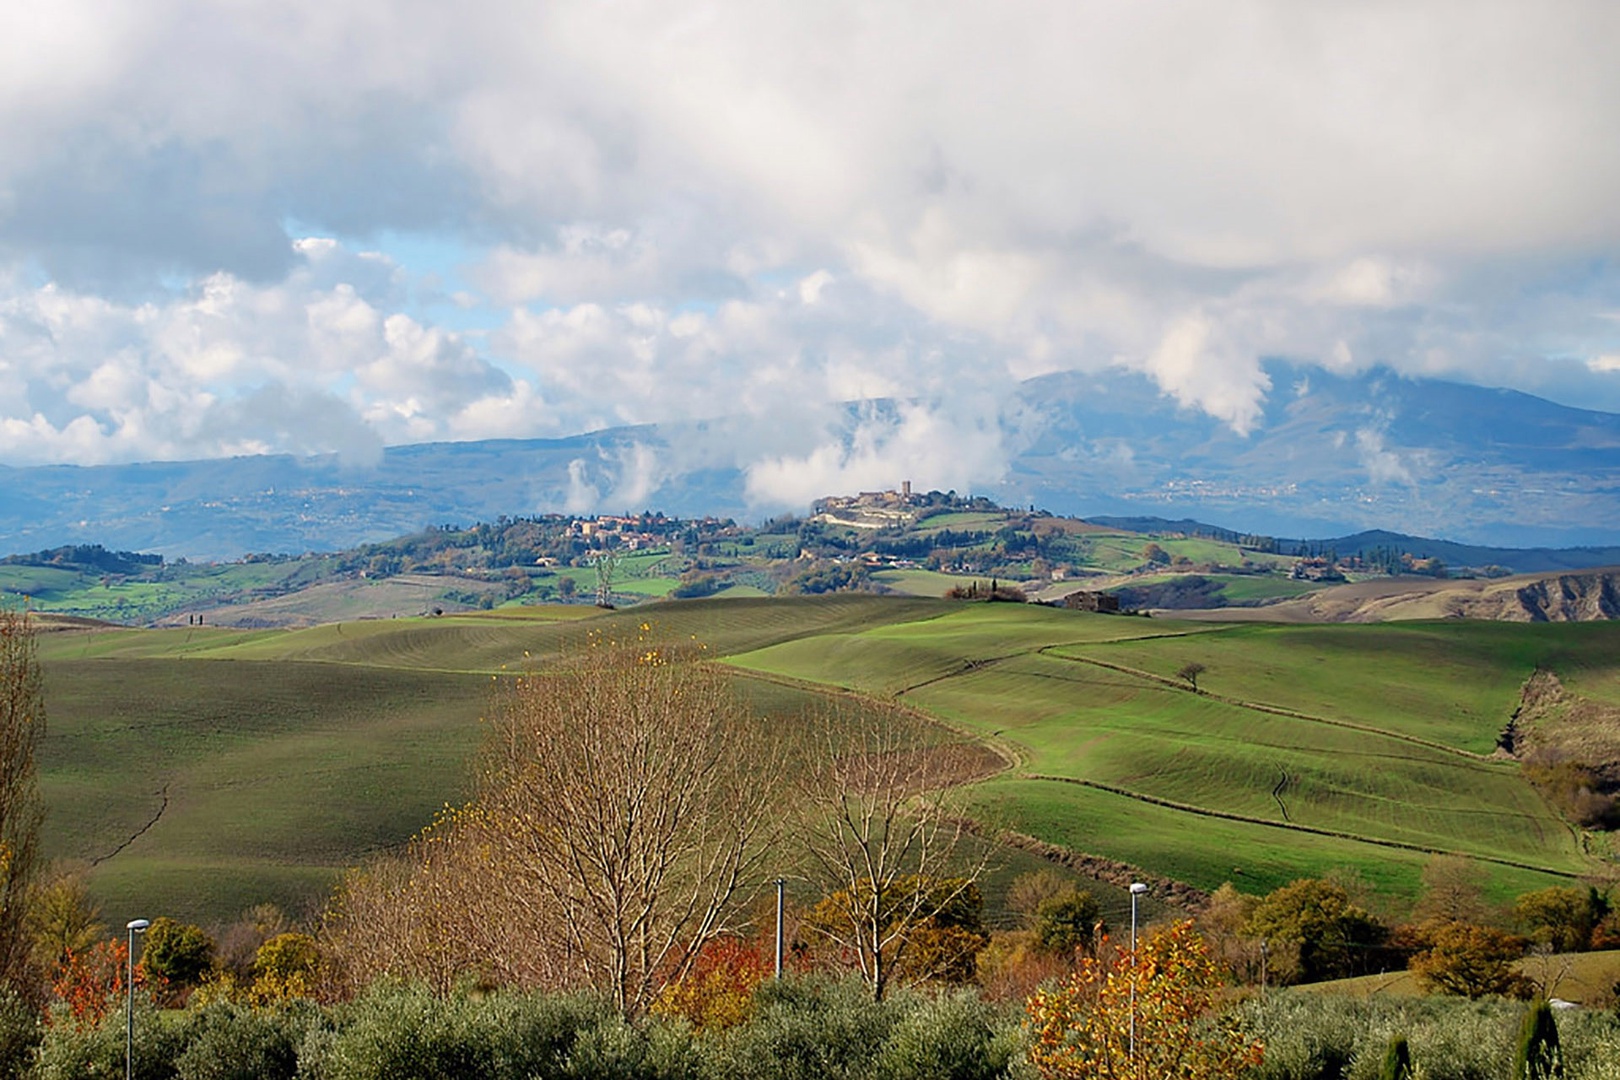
[[868, 510]]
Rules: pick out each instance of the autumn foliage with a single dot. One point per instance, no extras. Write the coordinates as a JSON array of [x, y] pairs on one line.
[[1081, 1029], [91, 982], [717, 992]]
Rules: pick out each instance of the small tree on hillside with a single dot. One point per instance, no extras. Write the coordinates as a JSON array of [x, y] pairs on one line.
[[62, 920], [1470, 961], [1189, 673], [1335, 938], [1068, 923], [1453, 891], [1561, 917]]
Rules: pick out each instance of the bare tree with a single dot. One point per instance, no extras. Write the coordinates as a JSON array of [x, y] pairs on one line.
[[622, 808], [883, 832], [606, 563], [22, 725], [1189, 673]]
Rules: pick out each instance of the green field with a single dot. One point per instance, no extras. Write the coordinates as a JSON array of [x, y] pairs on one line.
[[1312, 749], [287, 755], [920, 582]]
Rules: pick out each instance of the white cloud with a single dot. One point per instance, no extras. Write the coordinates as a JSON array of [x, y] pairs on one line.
[[680, 210], [230, 367], [926, 444], [1383, 465]]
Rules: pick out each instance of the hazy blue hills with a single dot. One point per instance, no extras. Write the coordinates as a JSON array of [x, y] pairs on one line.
[[1331, 456]]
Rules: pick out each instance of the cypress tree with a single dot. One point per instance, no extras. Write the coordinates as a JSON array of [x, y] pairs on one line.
[[1397, 1060], [1537, 1056]]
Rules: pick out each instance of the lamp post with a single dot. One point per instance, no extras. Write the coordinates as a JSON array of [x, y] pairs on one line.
[[1137, 889], [781, 883], [134, 926]]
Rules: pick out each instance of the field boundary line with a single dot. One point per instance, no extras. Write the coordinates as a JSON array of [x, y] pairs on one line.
[[1271, 710], [970, 665], [1295, 827]]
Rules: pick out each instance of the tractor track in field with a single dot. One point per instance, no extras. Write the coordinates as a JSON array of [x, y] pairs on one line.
[[1223, 815], [1277, 793], [162, 794]]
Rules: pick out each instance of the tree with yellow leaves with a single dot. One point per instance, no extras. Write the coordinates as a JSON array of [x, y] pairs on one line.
[[1147, 1015]]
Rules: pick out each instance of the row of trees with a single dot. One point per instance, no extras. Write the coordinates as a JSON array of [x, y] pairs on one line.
[[1314, 929]]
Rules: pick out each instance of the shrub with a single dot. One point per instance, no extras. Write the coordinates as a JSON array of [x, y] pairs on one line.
[[614, 1049], [808, 1028], [285, 967], [1150, 1012], [78, 1052], [234, 1043], [20, 1033], [178, 954], [395, 1032], [718, 992], [949, 1037], [90, 983]]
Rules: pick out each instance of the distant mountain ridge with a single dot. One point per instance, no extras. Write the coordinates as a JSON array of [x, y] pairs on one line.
[[1332, 456]]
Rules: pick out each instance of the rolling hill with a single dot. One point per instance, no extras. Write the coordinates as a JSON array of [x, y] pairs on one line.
[[241, 765]]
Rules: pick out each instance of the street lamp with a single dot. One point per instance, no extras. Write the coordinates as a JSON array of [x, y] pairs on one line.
[[1137, 889], [781, 884], [134, 926]]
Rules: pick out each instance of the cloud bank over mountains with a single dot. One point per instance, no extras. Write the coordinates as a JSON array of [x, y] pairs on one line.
[[333, 226]]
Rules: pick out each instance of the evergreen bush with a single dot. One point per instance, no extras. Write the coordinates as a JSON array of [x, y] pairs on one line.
[[230, 1042], [950, 1037], [20, 1034], [1397, 1060], [1536, 1055], [808, 1029], [70, 1051]]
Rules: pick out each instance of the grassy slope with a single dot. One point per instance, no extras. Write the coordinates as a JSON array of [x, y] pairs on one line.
[[1095, 699], [277, 773], [1585, 978], [288, 753]]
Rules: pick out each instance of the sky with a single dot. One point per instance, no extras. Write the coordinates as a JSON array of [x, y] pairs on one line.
[[312, 226]]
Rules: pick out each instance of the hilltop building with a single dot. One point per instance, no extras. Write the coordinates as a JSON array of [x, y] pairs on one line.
[[869, 509]]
